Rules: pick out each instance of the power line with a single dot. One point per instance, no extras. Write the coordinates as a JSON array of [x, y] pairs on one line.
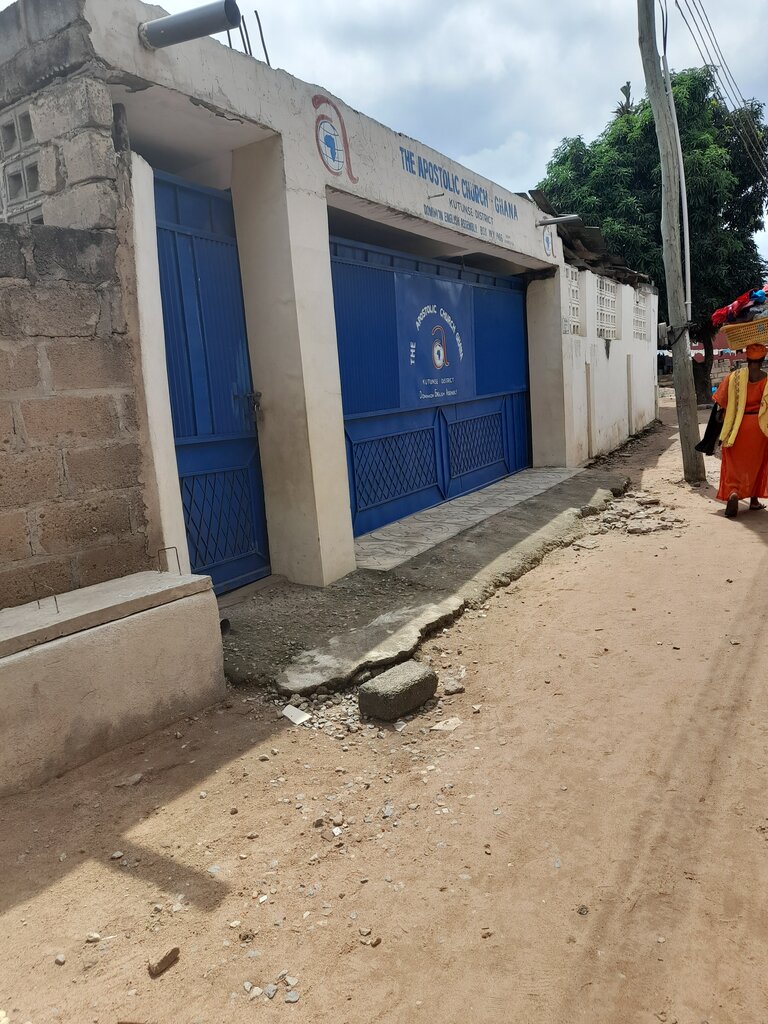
[[752, 148], [710, 31]]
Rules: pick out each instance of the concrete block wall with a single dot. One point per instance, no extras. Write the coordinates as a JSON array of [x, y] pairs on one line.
[[72, 511], [58, 164], [73, 452]]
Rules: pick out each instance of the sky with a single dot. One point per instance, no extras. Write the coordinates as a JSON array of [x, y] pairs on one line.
[[495, 84]]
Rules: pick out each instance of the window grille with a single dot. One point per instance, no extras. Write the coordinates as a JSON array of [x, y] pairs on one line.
[[640, 317], [573, 279], [606, 309]]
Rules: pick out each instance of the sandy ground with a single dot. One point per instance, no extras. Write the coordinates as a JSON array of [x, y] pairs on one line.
[[590, 845]]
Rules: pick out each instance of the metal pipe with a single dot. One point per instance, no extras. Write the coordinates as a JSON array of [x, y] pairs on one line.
[[180, 28]]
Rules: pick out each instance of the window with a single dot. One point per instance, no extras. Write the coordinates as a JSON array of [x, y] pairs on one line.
[[573, 279], [606, 309]]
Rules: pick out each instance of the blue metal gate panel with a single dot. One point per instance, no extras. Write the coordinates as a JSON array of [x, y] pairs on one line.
[[403, 460], [209, 377]]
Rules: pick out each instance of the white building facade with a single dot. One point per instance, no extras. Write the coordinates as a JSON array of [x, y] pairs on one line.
[[337, 326]]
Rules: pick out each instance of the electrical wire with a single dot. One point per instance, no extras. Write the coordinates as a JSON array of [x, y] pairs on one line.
[[752, 146], [735, 93]]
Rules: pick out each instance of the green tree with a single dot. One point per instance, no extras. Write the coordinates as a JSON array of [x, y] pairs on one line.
[[615, 183]]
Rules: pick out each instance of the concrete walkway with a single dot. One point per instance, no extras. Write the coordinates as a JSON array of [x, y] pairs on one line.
[[396, 543], [300, 638]]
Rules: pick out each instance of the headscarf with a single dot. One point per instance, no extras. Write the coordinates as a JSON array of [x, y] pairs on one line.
[[756, 351]]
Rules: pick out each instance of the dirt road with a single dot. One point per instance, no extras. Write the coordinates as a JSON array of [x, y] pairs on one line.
[[591, 844]]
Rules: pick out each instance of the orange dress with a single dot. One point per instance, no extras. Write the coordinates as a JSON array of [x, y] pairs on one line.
[[745, 464]]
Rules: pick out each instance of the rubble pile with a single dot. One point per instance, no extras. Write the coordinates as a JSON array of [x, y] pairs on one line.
[[638, 512]]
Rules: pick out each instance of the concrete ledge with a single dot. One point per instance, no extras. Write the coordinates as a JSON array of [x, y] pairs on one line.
[[36, 623], [70, 699]]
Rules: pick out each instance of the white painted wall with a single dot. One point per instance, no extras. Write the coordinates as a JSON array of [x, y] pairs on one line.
[[286, 272], [610, 389]]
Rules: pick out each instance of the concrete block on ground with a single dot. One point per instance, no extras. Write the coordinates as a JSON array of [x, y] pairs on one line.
[[385, 640], [397, 691], [152, 655]]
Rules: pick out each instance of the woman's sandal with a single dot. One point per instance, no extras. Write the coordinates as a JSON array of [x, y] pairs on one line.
[[732, 506]]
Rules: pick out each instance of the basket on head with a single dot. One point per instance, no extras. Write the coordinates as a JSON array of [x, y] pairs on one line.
[[741, 335]]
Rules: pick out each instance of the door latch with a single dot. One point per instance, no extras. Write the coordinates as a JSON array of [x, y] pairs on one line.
[[254, 400]]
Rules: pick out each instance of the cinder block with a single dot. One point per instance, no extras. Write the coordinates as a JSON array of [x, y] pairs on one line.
[[112, 319], [113, 561], [19, 370], [128, 413], [92, 205], [66, 418], [87, 155], [65, 254], [8, 439], [397, 691], [52, 311], [63, 108], [14, 538], [49, 170], [12, 262], [71, 525], [88, 363], [109, 467], [29, 581], [29, 477]]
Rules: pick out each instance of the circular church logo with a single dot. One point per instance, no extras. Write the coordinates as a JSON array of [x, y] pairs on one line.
[[439, 354], [330, 145], [548, 242], [331, 137]]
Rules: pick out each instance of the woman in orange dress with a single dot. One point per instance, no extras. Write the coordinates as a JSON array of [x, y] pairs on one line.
[[744, 469]]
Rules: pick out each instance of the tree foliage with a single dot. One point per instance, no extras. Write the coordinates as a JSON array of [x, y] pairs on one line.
[[615, 183]]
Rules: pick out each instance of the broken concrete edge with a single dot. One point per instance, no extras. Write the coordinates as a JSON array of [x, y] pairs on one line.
[[564, 530], [567, 528], [376, 660]]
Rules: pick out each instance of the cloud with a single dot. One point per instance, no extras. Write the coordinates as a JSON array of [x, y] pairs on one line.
[[495, 84]]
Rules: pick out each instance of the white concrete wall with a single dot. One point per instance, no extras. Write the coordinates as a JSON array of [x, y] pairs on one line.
[[610, 388], [286, 272]]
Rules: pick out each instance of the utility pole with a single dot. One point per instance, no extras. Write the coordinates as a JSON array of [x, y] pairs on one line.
[[682, 370]]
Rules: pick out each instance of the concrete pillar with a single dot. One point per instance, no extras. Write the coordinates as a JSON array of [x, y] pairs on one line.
[[545, 361], [168, 517], [285, 266]]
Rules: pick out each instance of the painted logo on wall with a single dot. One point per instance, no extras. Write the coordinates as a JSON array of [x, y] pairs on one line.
[[331, 138], [548, 243], [435, 335]]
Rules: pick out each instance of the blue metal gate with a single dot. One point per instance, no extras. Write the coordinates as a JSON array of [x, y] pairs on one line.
[[434, 379], [209, 375]]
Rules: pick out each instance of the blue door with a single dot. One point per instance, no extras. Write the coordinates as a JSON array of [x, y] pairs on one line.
[[209, 375], [433, 360]]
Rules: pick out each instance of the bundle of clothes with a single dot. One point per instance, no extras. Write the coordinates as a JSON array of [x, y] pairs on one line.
[[748, 307]]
